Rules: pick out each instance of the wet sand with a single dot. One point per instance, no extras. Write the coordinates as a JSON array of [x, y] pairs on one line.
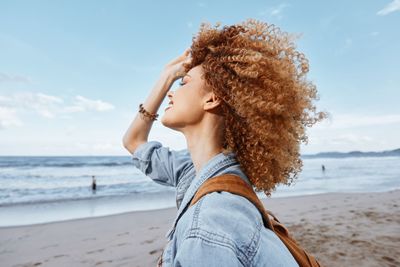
[[340, 229]]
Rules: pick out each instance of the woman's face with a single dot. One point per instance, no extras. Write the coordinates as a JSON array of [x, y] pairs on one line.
[[187, 101]]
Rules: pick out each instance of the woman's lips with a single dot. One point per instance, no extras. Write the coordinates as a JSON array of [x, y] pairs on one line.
[[169, 105]]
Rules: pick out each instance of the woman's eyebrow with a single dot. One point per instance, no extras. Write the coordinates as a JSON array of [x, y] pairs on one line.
[[187, 75]]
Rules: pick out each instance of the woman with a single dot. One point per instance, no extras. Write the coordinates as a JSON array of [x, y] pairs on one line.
[[243, 106]]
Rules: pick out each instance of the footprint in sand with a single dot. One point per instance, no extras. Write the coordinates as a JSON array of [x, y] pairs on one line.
[[122, 244], [389, 259], [155, 251], [90, 238], [30, 264], [101, 262], [61, 255], [147, 242], [359, 242], [49, 246], [22, 237], [94, 251], [126, 233]]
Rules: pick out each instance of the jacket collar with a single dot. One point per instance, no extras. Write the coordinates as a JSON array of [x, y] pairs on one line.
[[215, 166]]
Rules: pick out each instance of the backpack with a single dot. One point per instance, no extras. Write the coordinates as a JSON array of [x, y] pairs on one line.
[[236, 185]]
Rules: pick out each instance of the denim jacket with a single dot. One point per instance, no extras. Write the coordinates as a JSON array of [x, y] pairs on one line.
[[221, 229]]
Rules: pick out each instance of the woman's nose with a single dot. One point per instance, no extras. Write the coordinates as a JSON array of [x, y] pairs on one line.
[[169, 94]]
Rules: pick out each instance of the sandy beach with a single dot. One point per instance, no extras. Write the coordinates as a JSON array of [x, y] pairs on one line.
[[340, 229]]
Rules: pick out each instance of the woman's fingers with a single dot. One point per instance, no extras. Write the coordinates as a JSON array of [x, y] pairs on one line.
[[187, 51], [181, 57], [175, 67]]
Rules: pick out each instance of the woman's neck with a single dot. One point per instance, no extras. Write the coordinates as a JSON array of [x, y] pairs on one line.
[[203, 142]]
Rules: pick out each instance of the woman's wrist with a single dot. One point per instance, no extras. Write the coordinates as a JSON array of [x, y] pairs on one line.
[[171, 77], [165, 82]]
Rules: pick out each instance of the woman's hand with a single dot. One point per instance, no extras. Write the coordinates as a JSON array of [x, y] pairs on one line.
[[174, 69]]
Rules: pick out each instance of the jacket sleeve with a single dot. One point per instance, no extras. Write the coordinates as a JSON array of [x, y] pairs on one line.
[[199, 252], [163, 165]]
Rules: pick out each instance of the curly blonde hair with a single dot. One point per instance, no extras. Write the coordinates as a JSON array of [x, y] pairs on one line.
[[266, 99]]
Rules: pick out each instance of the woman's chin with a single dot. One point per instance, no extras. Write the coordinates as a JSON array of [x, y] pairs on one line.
[[166, 121], [169, 122]]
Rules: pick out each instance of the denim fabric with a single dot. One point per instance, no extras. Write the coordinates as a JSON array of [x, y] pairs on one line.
[[221, 229], [166, 167]]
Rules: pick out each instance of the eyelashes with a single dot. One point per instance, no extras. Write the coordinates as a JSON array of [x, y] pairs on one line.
[[181, 82]]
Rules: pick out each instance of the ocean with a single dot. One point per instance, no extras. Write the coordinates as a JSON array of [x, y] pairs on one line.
[[46, 189]]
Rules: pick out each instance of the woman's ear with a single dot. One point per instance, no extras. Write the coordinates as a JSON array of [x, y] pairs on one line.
[[211, 101]]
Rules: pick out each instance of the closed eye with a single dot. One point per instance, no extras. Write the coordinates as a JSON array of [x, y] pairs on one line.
[[181, 83]]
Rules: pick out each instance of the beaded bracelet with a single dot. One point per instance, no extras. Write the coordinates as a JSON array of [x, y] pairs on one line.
[[145, 113]]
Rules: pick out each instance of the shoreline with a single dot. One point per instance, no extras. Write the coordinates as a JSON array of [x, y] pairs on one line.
[[57, 211], [105, 206], [89, 218], [338, 228]]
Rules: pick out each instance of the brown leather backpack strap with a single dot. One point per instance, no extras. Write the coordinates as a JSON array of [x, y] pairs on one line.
[[236, 185]]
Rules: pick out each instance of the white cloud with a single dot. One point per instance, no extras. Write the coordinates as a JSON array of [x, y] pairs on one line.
[[345, 139], [389, 8], [106, 147], [44, 105], [373, 34], [340, 121], [278, 10], [4, 99], [47, 106], [327, 22], [347, 132], [348, 42], [8, 118], [91, 147], [351, 139], [275, 11], [84, 104], [10, 41], [201, 4], [4, 77], [344, 46]]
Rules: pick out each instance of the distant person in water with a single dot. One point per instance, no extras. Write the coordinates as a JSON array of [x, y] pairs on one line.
[[323, 168], [93, 183]]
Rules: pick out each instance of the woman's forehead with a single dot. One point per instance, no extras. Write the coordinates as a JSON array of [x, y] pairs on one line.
[[195, 71]]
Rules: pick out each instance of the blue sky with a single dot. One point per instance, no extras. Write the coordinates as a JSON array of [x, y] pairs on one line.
[[72, 73]]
